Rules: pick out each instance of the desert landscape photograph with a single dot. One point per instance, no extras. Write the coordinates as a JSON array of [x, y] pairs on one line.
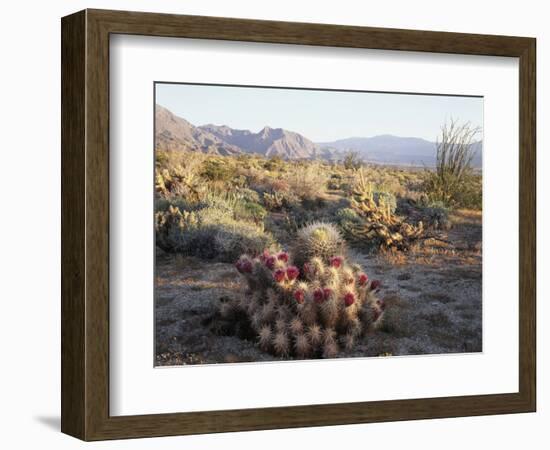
[[303, 224]]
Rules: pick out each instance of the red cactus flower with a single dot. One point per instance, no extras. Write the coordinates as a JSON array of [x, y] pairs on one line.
[[264, 256], [336, 261], [375, 284], [246, 266], [270, 262], [283, 256], [327, 292], [279, 275], [349, 299], [292, 272], [318, 295], [363, 279], [299, 296]]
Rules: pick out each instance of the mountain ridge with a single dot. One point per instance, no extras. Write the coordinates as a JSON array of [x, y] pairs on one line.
[[176, 133]]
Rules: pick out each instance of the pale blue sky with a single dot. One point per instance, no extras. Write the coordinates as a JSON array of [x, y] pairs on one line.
[[318, 115]]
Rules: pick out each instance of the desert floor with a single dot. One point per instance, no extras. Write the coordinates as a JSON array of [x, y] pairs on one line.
[[433, 295]]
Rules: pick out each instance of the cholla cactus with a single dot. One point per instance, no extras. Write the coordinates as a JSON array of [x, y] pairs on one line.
[[309, 309], [171, 224], [379, 227]]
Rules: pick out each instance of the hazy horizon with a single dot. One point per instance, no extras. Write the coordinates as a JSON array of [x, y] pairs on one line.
[[319, 115]]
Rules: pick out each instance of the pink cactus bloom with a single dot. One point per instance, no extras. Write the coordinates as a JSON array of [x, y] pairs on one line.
[[299, 296], [263, 257], [336, 261], [307, 268], [279, 275], [292, 272], [247, 267], [349, 299], [375, 284], [318, 295], [270, 262], [363, 279], [244, 265], [327, 292], [283, 256]]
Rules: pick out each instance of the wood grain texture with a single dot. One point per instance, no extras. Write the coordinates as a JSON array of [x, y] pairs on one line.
[[85, 224], [73, 111]]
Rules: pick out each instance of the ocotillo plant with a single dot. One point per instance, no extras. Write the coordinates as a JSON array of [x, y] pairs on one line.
[[307, 305]]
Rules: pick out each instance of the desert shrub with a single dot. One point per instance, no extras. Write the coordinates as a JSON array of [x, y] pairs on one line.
[[248, 195], [211, 232], [348, 220], [352, 160], [171, 227], [435, 214], [308, 182], [453, 182], [178, 180], [305, 307], [471, 193], [274, 163], [249, 212], [163, 204], [225, 241], [278, 200], [218, 170], [347, 215], [335, 181]]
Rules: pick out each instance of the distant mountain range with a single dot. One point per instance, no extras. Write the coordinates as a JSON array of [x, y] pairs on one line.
[[175, 133]]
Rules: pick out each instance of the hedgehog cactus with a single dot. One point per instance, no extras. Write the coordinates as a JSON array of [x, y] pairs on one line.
[[311, 308], [319, 239]]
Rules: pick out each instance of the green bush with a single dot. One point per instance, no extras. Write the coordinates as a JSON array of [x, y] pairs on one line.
[[435, 214], [250, 212], [218, 170]]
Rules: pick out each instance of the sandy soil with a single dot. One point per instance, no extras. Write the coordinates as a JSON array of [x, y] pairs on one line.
[[433, 298]]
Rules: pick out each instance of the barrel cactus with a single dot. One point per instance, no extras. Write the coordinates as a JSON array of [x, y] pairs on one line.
[[306, 307]]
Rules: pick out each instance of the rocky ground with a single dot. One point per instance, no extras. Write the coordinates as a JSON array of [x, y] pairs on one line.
[[433, 298]]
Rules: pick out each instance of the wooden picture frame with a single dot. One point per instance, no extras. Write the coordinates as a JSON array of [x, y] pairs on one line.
[[85, 224]]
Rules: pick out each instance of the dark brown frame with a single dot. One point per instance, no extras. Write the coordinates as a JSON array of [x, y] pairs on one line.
[[85, 224]]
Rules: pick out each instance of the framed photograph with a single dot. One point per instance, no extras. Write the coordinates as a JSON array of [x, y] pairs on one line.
[[273, 225]]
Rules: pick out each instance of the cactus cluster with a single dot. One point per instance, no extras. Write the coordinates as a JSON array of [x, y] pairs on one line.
[[274, 201], [170, 226], [307, 306], [379, 227]]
